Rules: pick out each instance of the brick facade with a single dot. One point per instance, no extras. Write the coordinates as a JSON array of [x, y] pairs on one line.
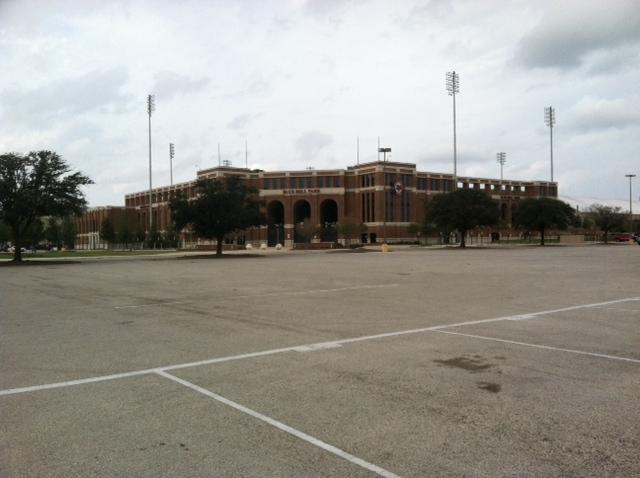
[[386, 196]]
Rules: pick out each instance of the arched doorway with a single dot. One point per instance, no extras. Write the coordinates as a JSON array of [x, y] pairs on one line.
[[328, 220], [301, 211], [275, 223]]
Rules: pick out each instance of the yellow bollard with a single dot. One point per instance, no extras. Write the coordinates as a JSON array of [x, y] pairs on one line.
[[385, 247]]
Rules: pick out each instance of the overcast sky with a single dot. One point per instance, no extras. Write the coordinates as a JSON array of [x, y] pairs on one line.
[[301, 79]]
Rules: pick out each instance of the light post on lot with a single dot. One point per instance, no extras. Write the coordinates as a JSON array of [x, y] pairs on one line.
[[384, 152], [550, 121], [172, 152], [453, 87], [630, 176], [151, 107]]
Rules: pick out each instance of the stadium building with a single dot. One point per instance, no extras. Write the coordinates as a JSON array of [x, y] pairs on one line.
[[385, 196]]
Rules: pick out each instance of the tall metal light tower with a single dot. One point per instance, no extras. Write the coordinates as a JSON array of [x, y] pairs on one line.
[[630, 176], [151, 107], [550, 121], [453, 87], [172, 152], [502, 158]]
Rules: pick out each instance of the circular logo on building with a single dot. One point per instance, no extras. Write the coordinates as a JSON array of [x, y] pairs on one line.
[[398, 188]]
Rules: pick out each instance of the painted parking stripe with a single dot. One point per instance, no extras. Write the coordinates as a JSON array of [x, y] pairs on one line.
[[285, 428], [303, 347], [544, 347]]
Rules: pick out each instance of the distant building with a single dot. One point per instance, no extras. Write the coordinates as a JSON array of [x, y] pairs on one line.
[[386, 196]]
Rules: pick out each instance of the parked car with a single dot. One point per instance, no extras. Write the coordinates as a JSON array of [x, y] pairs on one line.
[[623, 237]]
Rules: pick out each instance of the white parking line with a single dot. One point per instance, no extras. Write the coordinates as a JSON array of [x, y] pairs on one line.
[[298, 348], [285, 428], [270, 294], [545, 347], [619, 309]]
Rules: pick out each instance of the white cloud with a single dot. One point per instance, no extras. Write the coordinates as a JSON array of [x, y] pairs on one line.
[[301, 79]]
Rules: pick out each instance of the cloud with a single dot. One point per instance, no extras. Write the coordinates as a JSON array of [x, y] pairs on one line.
[[598, 114], [567, 33], [311, 143], [239, 121], [68, 97], [169, 83]]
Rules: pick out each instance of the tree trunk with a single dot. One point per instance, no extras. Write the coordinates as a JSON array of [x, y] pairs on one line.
[[462, 239], [606, 236], [219, 246], [542, 237], [17, 247]]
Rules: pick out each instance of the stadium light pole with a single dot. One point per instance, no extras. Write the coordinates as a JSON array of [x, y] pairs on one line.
[[550, 121], [151, 107], [502, 158], [630, 176], [172, 152], [384, 151], [453, 87]]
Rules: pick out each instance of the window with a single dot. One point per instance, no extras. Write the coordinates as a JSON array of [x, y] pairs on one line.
[[405, 206], [422, 184], [406, 180], [389, 215]]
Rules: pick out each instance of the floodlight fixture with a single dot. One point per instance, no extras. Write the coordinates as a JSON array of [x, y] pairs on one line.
[[550, 122], [453, 88], [502, 159], [384, 152]]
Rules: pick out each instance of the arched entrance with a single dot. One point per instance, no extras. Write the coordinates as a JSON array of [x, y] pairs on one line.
[[328, 220], [301, 211], [275, 223]]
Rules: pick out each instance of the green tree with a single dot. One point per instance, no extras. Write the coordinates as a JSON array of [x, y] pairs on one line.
[[139, 236], [68, 233], [107, 231], [53, 232], [38, 184], [5, 234], [307, 229], [542, 214], [221, 207], [607, 218], [351, 229], [462, 210], [125, 236], [34, 233], [154, 238]]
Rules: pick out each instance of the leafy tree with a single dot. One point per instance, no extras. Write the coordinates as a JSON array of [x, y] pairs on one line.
[[543, 213], [462, 210], [139, 236], [53, 232], [5, 234], [351, 229], [107, 231], [307, 229], [34, 233], [125, 236], [607, 218], [68, 233], [35, 185], [221, 207]]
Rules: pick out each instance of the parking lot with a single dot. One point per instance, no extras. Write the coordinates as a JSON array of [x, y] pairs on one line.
[[521, 361]]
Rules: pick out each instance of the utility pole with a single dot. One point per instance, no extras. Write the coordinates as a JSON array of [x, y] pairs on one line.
[[151, 107], [453, 87], [550, 121], [630, 176]]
